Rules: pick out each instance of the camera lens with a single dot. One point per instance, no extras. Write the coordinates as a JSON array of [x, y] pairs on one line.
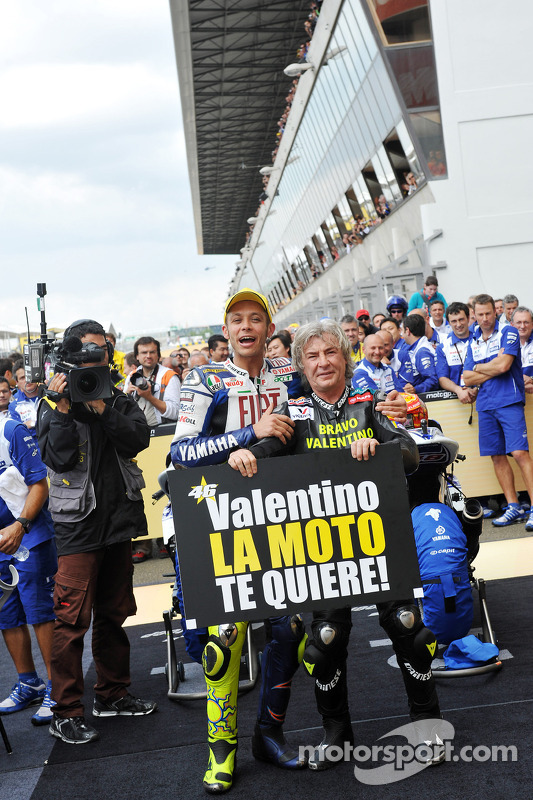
[[138, 380], [89, 383]]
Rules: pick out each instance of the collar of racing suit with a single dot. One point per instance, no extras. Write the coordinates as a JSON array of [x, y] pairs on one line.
[[332, 407]]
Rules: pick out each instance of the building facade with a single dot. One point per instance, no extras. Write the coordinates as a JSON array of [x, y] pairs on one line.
[[404, 153]]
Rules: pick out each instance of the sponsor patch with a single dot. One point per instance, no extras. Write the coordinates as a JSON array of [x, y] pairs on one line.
[[214, 382], [187, 420], [301, 412], [186, 408], [187, 397], [299, 401], [360, 398], [229, 382], [283, 370]]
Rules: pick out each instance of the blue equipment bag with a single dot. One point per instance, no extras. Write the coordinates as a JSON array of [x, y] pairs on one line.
[[442, 556], [469, 652]]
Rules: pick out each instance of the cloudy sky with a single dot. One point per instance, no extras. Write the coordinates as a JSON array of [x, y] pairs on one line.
[[94, 191]]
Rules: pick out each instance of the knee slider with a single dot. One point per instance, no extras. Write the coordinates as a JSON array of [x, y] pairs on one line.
[[418, 640], [321, 651], [407, 620], [217, 652]]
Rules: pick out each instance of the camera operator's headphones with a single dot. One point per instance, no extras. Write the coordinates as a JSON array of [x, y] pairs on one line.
[[109, 345]]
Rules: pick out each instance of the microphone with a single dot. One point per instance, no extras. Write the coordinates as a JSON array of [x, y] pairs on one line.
[[72, 344]]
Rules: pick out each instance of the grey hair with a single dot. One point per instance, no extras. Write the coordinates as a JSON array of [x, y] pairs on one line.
[[522, 309], [510, 298], [321, 329]]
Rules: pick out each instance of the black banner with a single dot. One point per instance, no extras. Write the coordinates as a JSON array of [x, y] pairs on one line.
[[307, 532]]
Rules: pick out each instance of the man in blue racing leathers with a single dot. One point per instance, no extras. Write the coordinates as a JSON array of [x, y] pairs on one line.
[[224, 407]]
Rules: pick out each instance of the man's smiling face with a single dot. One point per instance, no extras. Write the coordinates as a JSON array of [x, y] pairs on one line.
[[247, 327]]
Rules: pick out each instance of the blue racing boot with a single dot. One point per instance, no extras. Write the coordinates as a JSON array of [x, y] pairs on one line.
[[269, 744]]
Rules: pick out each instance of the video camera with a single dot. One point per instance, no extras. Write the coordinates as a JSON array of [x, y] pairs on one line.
[[45, 356]]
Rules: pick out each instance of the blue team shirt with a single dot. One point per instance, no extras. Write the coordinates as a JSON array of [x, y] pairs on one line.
[[381, 377], [502, 390], [24, 409], [421, 357], [19, 448], [451, 355], [526, 352]]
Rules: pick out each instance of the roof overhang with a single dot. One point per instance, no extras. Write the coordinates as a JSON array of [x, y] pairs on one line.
[[230, 56]]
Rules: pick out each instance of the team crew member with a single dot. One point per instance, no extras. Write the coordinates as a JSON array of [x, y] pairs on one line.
[[371, 372], [419, 354], [452, 352], [510, 304], [321, 354], [25, 519], [23, 407], [437, 321], [493, 364], [523, 322], [225, 407]]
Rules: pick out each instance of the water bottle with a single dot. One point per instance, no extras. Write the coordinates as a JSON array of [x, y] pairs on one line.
[[21, 554]]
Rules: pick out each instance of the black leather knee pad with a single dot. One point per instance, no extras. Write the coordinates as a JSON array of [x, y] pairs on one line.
[[415, 642], [326, 649]]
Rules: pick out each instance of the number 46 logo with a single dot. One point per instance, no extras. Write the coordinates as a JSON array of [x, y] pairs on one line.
[[204, 491]]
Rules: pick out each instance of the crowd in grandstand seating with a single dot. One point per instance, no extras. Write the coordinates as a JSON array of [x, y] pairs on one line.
[[355, 232]]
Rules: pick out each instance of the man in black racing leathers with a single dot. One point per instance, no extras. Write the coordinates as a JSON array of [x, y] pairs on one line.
[[224, 407], [334, 415]]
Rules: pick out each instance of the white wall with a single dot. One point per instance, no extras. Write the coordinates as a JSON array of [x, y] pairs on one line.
[[485, 208]]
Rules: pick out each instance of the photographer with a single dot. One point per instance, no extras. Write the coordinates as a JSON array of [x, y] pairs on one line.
[[155, 388], [97, 507]]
